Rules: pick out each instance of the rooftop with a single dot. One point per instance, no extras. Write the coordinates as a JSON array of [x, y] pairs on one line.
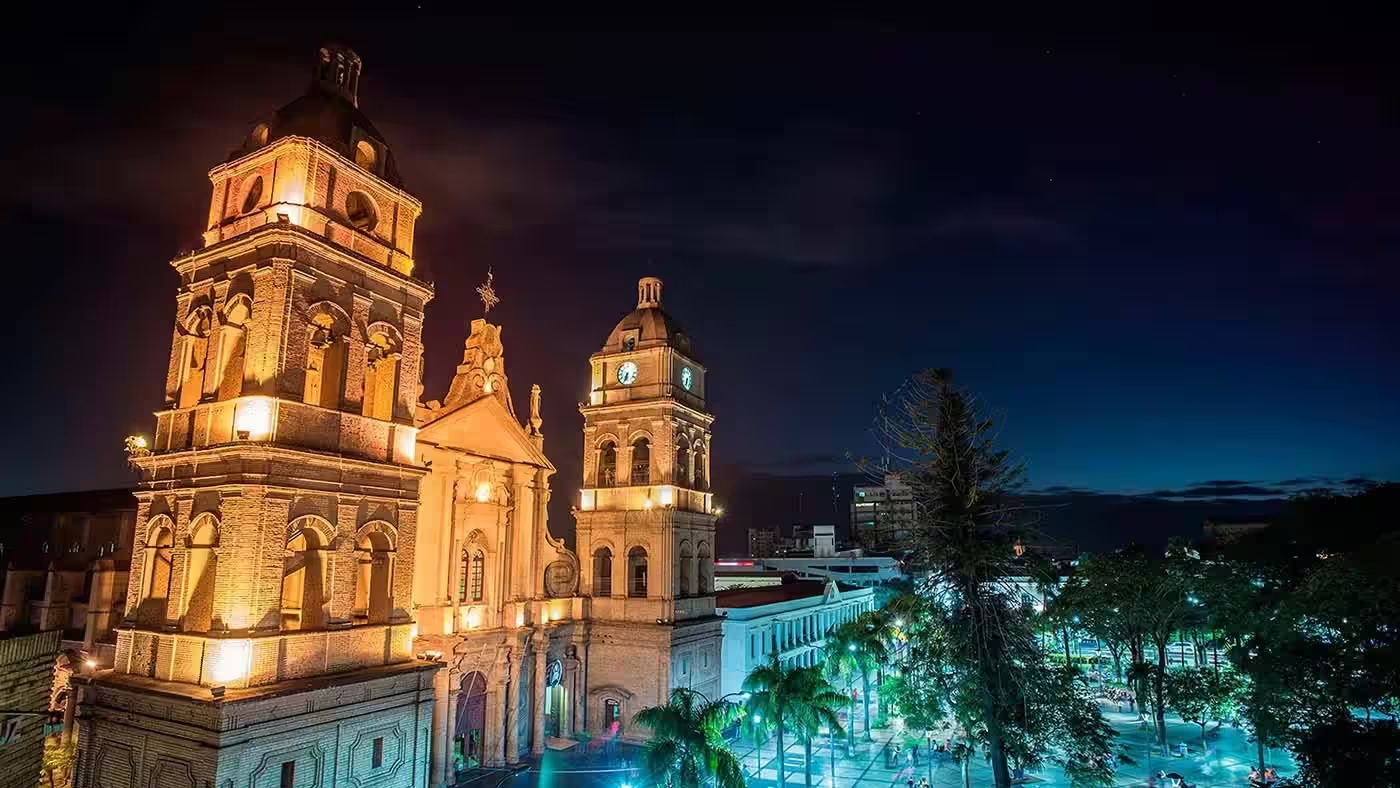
[[768, 595]]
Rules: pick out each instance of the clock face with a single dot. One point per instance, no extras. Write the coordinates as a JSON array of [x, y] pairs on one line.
[[686, 378], [627, 373]]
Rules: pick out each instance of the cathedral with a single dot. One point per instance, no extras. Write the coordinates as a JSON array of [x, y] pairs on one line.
[[335, 583]]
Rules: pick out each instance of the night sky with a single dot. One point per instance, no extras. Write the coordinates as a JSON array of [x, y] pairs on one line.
[[1168, 262]]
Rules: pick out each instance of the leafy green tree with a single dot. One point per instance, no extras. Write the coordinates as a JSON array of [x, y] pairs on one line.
[[1344, 752], [1202, 695], [687, 748], [58, 758], [793, 700]]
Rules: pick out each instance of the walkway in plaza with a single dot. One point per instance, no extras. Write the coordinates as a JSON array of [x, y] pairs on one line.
[[1227, 763]]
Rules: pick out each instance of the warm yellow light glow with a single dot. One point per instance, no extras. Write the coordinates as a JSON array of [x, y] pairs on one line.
[[646, 504], [586, 500], [253, 419], [138, 441], [405, 439], [668, 496], [91, 664], [413, 632], [232, 662], [483, 492], [489, 387], [473, 618], [719, 510], [520, 617]]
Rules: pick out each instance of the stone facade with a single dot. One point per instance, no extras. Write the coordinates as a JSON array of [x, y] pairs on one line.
[[267, 634], [26, 676]]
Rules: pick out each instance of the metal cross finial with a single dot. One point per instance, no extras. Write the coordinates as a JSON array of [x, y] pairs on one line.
[[488, 293]]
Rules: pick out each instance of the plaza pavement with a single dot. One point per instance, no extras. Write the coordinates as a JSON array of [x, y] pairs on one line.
[[1226, 764]]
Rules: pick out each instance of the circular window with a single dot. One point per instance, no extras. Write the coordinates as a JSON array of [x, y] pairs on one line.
[[365, 155], [253, 195], [360, 211]]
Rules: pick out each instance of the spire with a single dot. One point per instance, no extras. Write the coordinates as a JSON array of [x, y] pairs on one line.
[[483, 368], [648, 292]]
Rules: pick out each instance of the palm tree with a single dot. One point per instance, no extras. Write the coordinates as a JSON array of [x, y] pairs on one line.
[[793, 700], [687, 747], [841, 661], [858, 647], [815, 707]]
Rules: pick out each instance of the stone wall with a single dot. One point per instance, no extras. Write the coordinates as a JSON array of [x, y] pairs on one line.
[[26, 675]]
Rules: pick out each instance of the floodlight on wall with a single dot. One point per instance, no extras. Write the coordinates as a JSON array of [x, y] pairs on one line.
[[483, 492], [667, 495], [232, 662], [253, 418]]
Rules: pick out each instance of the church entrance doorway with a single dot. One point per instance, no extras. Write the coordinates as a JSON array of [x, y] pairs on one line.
[[469, 745], [555, 699]]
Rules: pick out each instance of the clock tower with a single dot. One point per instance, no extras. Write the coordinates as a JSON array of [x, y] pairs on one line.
[[646, 522]]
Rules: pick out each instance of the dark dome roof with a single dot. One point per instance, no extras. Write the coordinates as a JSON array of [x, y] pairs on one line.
[[654, 327], [327, 114]]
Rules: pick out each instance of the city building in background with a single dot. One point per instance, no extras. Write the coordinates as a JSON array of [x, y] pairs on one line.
[[789, 620], [882, 515], [848, 567]]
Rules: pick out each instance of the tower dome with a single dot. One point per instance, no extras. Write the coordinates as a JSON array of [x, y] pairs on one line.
[[329, 113], [648, 325]]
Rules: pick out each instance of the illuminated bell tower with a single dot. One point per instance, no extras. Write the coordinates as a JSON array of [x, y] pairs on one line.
[[268, 628], [646, 523]]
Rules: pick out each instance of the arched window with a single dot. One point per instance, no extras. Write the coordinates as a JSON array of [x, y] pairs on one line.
[[156, 593], [472, 587], [359, 209], [304, 579], [365, 155], [682, 469], [373, 597], [704, 567], [202, 568], [641, 462], [687, 566], [637, 572], [607, 465], [381, 375], [602, 572], [325, 362]]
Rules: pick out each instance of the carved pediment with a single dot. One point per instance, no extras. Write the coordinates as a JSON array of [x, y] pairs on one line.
[[484, 428]]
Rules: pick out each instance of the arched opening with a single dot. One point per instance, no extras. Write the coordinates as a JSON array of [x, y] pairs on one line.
[[304, 580], [472, 587], [373, 597], [156, 591], [199, 576], [381, 375], [325, 363], [641, 461], [699, 475], [365, 155], [194, 358], [607, 465], [687, 567], [682, 469], [227, 380], [359, 209], [602, 572], [637, 572], [704, 569], [468, 739], [253, 196]]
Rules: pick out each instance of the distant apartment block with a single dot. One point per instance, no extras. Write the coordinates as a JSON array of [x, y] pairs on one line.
[[882, 515]]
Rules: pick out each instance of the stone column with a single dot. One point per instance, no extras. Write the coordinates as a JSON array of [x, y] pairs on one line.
[[512, 702], [454, 691], [537, 690], [440, 746]]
